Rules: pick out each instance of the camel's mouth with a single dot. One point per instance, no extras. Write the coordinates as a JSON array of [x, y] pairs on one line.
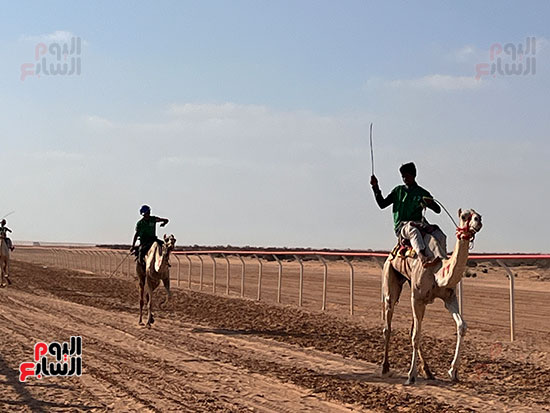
[[475, 222]]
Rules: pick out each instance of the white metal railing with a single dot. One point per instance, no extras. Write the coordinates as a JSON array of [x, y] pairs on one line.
[[110, 262]]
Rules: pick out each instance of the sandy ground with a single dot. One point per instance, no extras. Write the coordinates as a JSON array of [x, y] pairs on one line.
[[215, 353]]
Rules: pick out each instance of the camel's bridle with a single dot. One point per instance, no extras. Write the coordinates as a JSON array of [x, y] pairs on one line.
[[465, 232]]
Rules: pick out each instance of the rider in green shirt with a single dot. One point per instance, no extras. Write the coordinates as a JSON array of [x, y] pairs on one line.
[[408, 202], [146, 232]]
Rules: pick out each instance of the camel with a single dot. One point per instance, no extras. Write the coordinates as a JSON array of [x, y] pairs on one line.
[[156, 269], [427, 284], [4, 261]]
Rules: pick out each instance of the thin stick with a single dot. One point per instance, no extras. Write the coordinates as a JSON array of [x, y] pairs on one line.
[[371, 151], [8, 214], [119, 265], [450, 216]]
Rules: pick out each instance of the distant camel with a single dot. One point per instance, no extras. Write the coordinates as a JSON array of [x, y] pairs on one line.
[[156, 269], [427, 284], [4, 260]]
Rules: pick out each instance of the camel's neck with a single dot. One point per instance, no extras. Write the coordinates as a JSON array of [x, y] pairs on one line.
[[161, 259], [453, 269]]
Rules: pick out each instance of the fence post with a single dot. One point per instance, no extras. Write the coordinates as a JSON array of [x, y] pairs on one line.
[[189, 272], [351, 283], [512, 301], [243, 267], [111, 254], [461, 298], [228, 274], [63, 258], [201, 272], [279, 279], [115, 255], [260, 271], [86, 260], [99, 262], [325, 279], [129, 266], [213, 273], [382, 313], [178, 260], [81, 261], [105, 262], [69, 259], [55, 257], [300, 281]]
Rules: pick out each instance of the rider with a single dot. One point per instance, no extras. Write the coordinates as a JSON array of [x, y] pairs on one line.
[[4, 234], [146, 232], [408, 201]]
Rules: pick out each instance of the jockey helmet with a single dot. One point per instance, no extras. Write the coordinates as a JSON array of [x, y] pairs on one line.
[[145, 209]]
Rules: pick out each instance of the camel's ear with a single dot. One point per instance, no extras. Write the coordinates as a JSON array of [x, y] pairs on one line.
[[165, 237], [459, 212]]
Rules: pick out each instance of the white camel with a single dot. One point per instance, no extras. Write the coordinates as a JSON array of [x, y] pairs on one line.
[[427, 284], [156, 269]]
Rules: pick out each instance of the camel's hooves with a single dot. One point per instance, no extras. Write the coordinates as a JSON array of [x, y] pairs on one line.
[[385, 369], [148, 325], [8, 280], [140, 323], [429, 375], [2, 285], [410, 381], [454, 377]]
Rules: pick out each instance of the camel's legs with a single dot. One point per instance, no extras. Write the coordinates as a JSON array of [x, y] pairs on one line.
[[7, 276], [166, 283], [2, 271], [141, 278], [141, 294], [424, 365], [424, 368], [418, 309], [393, 284], [452, 305], [149, 292]]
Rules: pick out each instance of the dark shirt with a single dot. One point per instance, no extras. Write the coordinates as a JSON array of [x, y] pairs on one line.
[[408, 203], [146, 229]]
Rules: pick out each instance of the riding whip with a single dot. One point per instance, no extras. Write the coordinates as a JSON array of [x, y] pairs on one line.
[[8, 214], [119, 265], [371, 152]]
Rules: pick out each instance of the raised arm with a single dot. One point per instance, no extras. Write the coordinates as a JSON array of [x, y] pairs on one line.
[[380, 200], [163, 221]]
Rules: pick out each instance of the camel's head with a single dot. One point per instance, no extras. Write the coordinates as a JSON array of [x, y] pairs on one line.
[[469, 225], [169, 242]]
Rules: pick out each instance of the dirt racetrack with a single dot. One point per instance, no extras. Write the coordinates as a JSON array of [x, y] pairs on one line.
[[210, 353]]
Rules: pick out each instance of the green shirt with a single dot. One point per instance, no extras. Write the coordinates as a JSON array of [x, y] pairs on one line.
[[147, 230], [407, 203]]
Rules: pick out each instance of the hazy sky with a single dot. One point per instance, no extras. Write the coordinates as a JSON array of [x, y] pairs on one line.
[[246, 122]]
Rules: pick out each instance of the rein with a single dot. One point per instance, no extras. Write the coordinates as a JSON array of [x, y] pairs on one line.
[[461, 232]]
